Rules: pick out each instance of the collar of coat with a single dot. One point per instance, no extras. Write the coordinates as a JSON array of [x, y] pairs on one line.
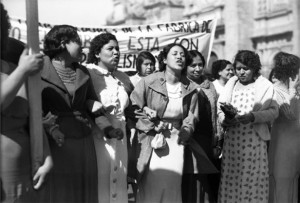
[[261, 86], [205, 82], [99, 70], [122, 77], [50, 75], [157, 81]]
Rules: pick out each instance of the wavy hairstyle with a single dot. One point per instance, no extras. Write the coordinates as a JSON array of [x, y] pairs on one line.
[[96, 45], [218, 66], [142, 57], [5, 27], [164, 53], [285, 66], [249, 59], [56, 36]]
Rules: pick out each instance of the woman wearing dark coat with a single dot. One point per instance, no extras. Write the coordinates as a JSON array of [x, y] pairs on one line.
[[67, 94], [199, 186]]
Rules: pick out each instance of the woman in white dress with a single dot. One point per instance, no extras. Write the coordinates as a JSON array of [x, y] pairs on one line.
[[113, 88]]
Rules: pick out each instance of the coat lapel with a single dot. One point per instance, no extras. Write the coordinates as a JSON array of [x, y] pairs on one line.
[[159, 85], [187, 88], [82, 76], [50, 75], [261, 87]]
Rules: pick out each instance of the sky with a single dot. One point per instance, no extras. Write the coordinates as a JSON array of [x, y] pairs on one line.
[[79, 13]]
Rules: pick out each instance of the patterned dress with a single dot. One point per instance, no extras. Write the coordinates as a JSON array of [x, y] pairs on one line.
[[244, 173], [162, 181]]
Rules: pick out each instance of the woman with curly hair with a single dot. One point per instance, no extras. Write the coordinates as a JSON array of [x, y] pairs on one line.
[[113, 88], [244, 170], [222, 71], [284, 149], [68, 94]]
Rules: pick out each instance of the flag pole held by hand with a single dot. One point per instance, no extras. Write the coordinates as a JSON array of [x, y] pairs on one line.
[[34, 89]]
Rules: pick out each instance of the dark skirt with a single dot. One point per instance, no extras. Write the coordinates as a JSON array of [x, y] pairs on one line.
[[74, 176]]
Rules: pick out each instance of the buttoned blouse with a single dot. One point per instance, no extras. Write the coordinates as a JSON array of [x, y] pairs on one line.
[[111, 90]]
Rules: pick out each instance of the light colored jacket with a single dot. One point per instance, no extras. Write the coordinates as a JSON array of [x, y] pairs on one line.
[[265, 109], [151, 91]]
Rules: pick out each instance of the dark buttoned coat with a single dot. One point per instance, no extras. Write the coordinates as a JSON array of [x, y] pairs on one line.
[[74, 176]]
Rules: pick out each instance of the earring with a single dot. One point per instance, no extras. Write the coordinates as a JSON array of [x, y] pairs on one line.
[[97, 56]]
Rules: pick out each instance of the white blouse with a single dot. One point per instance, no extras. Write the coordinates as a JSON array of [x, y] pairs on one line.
[[110, 91]]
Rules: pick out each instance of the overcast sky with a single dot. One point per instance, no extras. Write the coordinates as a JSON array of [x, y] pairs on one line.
[[79, 13]]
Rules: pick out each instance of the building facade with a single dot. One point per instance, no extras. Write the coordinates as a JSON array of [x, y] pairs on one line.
[[264, 26]]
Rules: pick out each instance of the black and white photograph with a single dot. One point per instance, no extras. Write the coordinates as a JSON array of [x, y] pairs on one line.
[[150, 101]]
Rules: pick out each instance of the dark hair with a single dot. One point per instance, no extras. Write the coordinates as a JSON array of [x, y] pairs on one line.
[[142, 57], [13, 51], [56, 36], [96, 45], [271, 74], [249, 59], [194, 54], [164, 53], [285, 66], [5, 27], [218, 66]]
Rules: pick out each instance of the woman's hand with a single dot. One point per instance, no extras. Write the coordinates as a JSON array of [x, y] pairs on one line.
[[152, 114], [116, 133], [40, 175], [49, 120], [245, 119], [217, 152], [184, 135], [30, 63], [160, 126], [58, 136], [229, 110], [229, 122]]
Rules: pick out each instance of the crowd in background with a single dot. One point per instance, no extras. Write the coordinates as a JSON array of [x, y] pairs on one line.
[[174, 133]]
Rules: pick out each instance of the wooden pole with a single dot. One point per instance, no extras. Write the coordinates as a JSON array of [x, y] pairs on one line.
[[34, 88]]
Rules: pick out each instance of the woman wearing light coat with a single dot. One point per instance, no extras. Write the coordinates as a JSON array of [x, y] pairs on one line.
[[174, 99]]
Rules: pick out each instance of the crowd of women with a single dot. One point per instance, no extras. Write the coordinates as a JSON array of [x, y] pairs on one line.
[[174, 133]]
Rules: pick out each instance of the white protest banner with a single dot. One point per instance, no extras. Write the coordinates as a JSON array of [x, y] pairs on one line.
[[192, 34]]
